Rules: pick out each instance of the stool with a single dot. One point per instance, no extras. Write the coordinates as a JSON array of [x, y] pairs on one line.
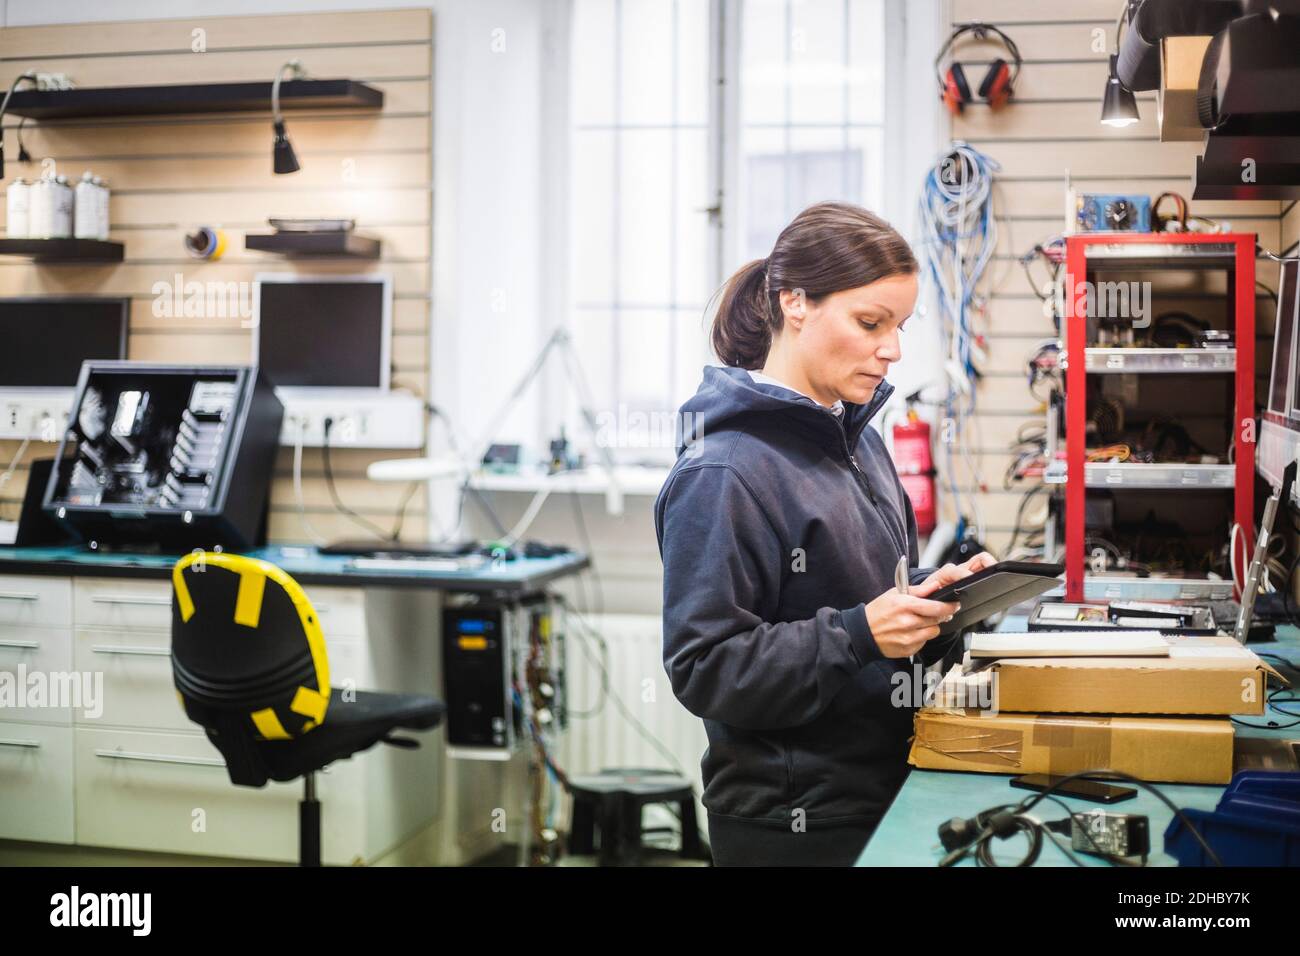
[[611, 803]]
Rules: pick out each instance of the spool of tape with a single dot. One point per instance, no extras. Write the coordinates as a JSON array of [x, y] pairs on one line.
[[206, 243]]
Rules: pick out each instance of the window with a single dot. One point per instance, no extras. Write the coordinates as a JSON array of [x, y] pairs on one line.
[[654, 149], [811, 112]]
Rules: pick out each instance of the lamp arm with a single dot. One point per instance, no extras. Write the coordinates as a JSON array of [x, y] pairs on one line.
[[294, 67], [4, 106]]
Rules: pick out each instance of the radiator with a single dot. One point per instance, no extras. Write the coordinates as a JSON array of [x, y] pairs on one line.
[[636, 674]]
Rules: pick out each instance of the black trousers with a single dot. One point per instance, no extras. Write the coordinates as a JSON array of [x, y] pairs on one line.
[[737, 842]]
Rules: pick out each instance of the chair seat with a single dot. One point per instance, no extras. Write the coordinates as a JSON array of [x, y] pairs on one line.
[[350, 726]]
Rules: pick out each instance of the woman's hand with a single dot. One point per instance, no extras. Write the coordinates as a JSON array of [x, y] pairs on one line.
[[952, 573], [902, 623]]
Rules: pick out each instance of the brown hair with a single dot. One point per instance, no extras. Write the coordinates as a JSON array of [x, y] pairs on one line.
[[827, 248]]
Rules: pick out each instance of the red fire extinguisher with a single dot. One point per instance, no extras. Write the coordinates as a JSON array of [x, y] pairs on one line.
[[915, 468]]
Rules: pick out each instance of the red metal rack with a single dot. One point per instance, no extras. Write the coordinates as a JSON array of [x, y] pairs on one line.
[[1231, 252]]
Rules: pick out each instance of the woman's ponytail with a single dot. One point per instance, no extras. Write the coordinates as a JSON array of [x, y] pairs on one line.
[[743, 325]]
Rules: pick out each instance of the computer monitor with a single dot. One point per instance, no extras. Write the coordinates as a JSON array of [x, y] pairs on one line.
[[1279, 384], [323, 331], [47, 338], [1285, 339], [1279, 427]]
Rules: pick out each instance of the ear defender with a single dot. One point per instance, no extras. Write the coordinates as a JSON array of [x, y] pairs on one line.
[[996, 86], [956, 89]]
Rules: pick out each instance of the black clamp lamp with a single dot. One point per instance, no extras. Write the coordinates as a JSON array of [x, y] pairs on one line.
[[282, 153], [1119, 105]]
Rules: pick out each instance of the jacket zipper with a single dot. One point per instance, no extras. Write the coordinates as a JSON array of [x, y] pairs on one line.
[[871, 495]]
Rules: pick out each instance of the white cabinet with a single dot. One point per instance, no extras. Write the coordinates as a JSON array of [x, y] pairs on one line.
[[131, 771], [169, 792]]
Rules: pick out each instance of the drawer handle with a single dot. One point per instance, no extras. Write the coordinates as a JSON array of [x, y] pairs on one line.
[[134, 651], [18, 596], [30, 744], [32, 645], [161, 758], [131, 599]]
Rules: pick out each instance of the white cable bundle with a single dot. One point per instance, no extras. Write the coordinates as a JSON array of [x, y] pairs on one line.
[[958, 238]]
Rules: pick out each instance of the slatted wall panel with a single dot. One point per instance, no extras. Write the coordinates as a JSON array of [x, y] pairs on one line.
[[171, 174], [1053, 126]]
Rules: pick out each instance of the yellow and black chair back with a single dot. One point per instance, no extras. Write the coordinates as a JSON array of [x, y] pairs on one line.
[[250, 666], [248, 653]]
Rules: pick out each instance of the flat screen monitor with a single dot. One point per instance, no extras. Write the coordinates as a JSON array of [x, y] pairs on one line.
[[1284, 391], [1279, 383], [47, 338], [323, 331]]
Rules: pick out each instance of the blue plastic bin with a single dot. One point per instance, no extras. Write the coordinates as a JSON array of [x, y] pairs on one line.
[[1256, 823]]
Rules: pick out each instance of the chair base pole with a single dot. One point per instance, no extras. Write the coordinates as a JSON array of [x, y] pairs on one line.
[[309, 824]]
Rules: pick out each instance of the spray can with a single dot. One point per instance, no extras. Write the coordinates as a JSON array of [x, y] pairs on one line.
[[101, 195], [90, 216], [85, 214], [61, 203], [39, 208], [18, 199]]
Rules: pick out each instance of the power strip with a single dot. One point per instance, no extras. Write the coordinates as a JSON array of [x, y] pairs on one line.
[[36, 413], [360, 418]]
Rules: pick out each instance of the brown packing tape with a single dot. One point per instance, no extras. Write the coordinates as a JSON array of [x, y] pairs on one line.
[[1073, 743], [971, 743]]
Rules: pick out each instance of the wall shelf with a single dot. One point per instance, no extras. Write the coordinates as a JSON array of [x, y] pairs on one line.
[[315, 245], [63, 250], [1159, 360], [192, 98]]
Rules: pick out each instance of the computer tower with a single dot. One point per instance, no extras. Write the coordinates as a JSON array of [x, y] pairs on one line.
[[173, 457]]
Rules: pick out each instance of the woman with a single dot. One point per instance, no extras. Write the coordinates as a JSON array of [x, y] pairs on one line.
[[780, 527]]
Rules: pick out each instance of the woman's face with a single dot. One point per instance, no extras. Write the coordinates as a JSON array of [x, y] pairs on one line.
[[847, 340]]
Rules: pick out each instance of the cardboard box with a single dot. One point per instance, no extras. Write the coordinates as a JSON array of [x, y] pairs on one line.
[[1204, 675], [1158, 749], [1180, 73]]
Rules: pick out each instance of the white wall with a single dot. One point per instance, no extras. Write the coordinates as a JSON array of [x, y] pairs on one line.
[[487, 180]]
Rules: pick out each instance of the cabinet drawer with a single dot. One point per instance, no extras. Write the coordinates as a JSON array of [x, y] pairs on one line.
[[342, 611], [46, 653], [138, 688], [117, 602], [170, 792], [113, 602], [36, 782], [32, 600]]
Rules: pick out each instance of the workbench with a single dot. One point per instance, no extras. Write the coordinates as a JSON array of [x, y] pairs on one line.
[[908, 834]]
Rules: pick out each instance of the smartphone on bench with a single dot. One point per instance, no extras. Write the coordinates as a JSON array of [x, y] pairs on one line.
[[1087, 789]]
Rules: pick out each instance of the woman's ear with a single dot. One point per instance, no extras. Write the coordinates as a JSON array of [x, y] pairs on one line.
[[794, 306]]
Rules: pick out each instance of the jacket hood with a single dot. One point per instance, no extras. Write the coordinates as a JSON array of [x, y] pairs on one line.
[[728, 394]]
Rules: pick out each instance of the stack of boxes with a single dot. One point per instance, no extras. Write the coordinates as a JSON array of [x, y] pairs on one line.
[[1161, 719]]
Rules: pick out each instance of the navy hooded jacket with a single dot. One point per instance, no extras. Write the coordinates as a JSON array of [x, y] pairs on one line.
[[778, 523]]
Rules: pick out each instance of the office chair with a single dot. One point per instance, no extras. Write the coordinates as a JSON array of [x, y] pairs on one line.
[[250, 667]]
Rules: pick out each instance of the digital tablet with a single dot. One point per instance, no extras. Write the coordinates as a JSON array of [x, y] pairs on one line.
[[995, 589]]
